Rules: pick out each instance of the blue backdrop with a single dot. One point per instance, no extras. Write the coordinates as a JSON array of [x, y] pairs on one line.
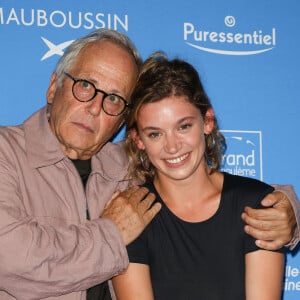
[[245, 51]]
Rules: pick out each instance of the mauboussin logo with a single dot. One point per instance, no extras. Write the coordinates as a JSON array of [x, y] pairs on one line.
[[230, 39], [243, 154]]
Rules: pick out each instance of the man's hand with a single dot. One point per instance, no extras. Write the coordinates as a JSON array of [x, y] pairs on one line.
[[274, 226], [131, 212]]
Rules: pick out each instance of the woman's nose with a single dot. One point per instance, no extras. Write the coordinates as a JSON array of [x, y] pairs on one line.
[[172, 144]]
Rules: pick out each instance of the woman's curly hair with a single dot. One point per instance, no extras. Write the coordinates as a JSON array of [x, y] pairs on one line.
[[160, 78]]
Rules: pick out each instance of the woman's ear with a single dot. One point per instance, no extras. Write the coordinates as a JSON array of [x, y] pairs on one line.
[[136, 139], [209, 121]]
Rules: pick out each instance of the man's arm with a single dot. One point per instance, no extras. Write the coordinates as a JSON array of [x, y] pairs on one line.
[[40, 260], [278, 224]]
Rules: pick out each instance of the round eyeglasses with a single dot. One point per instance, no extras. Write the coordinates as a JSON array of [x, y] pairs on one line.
[[85, 91]]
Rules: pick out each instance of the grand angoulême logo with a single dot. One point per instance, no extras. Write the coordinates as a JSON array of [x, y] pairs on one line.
[[243, 154]]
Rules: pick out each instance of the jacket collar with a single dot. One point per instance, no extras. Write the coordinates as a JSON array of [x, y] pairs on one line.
[[43, 149], [42, 146]]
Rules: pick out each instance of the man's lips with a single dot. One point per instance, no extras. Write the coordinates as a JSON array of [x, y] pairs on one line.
[[83, 126]]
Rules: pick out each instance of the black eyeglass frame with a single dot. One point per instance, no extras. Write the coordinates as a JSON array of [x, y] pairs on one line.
[[75, 80]]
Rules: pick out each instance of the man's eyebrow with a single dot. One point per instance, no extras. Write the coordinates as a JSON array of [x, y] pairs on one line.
[[96, 82]]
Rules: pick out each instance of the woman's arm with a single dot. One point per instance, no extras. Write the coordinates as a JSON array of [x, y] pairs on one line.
[[264, 275], [134, 284]]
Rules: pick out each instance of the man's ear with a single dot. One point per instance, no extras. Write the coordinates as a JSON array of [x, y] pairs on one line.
[[52, 88], [136, 139], [209, 121]]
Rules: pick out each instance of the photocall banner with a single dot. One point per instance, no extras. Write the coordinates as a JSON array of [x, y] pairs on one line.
[[246, 52]]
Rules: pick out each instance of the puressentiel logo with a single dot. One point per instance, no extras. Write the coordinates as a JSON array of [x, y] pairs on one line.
[[229, 40], [243, 154]]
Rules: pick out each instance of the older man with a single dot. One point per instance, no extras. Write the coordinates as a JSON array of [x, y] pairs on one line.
[[59, 236]]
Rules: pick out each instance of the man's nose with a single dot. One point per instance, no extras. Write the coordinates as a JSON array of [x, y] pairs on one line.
[[95, 105]]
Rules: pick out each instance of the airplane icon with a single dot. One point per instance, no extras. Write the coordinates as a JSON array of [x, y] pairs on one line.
[[54, 49]]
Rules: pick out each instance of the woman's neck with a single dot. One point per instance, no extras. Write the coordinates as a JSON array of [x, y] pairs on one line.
[[194, 199]]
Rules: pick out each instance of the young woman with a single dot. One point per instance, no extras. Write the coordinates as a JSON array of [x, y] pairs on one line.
[[196, 247]]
